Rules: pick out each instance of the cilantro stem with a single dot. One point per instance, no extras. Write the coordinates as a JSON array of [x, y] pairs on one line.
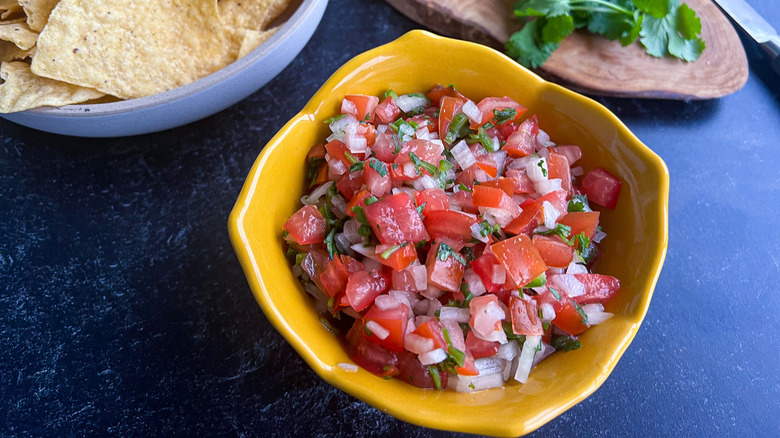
[[598, 2]]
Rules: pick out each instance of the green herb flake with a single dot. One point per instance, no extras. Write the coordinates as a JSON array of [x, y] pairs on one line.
[[418, 164], [504, 115], [564, 343], [379, 166], [458, 128], [335, 118], [371, 200], [388, 252], [434, 372]]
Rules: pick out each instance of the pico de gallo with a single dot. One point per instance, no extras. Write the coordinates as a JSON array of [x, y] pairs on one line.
[[451, 240]]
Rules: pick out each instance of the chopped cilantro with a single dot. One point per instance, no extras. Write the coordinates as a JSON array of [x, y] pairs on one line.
[[578, 203], [330, 244], [560, 230], [464, 187], [351, 158], [504, 115], [315, 163], [445, 251], [539, 281], [555, 293], [458, 128], [565, 343], [434, 373], [371, 200], [334, 118], [418, 163], [388, 252], [379, 166], [390, 93]]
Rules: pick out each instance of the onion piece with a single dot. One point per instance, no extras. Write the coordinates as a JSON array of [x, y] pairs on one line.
[[456, 314], [547, 350], [476, 286], [569, 285], [489, 365], [547, 186], [467, 384], [536, 169], [599, 236], [526, 360], [462, 155], [508, 351], [408, 102], [420, 274], [551, 214], [377, 329], [595, 313], [418, 344], [432, 357], [386, 302], [548, 312], [316, 194], [474, 114]]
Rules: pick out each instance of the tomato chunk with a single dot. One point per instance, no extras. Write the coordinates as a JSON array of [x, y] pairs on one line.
[[602, 187], [554, 251], [387, 110], [558, 167], [363, 287], [414, 373], [306, 226], [432, 329], [489, 106], [395, 220], [530, 217], [480, 348], [445, 271], [360, 106], [432, 199], [398, 257], [568, 317], [598, 288], [394, 321], [525, 317], [522, 142], [581, 222], [454, 226], [520, 258]]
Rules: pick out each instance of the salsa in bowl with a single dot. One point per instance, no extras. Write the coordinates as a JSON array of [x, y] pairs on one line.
[[633, 251]]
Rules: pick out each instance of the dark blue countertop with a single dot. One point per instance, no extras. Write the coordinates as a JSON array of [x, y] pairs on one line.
[[124, 312]]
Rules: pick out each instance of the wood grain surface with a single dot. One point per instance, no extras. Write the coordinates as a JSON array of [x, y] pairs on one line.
[[595, 65]]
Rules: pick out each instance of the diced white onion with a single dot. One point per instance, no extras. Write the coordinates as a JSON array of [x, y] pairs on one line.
[[386, 302], [547, 186], [551, 214], [433, 305], [536, 169], [457, 314], [499, 274], [474, 114], [508, 351], [543, 139], [500, 158], [377, 329], [420, 274], [381, 129], [350, 230], [520, 163], [404, 297], [543, 152], [599, 236], [418, 344], [315, 195], [432, 292], [339, 206], [409, 169], [356, 143], [489, 365], [369, 252], [476, 286], [339, 127], [337, 167], [476, 232], [500, 216], [595, 313], [462, 155], [348, 107], [350, 367], [467, 384], [547, 350], [577, 171], [434, 356], [342, 243], [407, 103], [576, 268], [526, 359], [425, 182], [569, 285], [405, 132], [548, 312], [422, 133]]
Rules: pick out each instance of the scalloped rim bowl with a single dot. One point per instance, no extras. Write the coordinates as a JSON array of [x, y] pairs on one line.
[[187, 103], [634, 249]]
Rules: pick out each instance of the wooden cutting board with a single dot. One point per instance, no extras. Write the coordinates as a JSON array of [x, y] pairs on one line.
[[595, 65]]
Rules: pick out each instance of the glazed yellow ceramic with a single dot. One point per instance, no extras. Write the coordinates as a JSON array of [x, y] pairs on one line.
[[634, 249]]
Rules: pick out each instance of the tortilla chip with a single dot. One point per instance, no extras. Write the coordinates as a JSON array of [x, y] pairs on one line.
[[9, 52], [132, 49], [19, 34], [22, 90], [13, 12], [252, 39], [251, 14], [38, 12]]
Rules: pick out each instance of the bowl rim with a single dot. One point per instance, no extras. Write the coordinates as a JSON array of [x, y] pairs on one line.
[[260, 289], [304, 9]]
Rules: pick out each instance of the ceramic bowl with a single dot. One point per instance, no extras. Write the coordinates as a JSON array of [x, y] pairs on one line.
[[634, 249], [188, 103]]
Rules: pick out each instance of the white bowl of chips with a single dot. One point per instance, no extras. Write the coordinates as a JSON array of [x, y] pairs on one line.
[[110, 68]]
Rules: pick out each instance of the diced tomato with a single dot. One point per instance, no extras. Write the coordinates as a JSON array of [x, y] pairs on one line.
[[482, 321], [414, 373], [314, 264], [306, 226], [399, 259], [375, 358], [338, 150], [601, 187], [598, 288], [432, 329], [554, 251], [568, 319], [452, 225], [386, 145], [367, 131], [485, 196], [363, 287], [488, 105], [334, 278], [403, 280], [395, 220], [318, 151], [378, 183], [480, 348], [357, 200], [438, 91], [433, 199], [525, 317], [530, 217], [556, 300], [505, 184], [465, 200], [581, 222], [425, 150], [471, 175], [387, 110], [393, 320], [558, 167], [523, 183], [484, 266], [558, 199], [520, 258], [349, 184], [523, 141], [360, 106], [448, 108], [444, 274]]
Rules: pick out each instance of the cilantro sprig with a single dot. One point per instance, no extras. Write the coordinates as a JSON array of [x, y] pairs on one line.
[[664, 27]]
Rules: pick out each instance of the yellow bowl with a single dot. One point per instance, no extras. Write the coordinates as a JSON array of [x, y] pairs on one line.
[[634, 249]]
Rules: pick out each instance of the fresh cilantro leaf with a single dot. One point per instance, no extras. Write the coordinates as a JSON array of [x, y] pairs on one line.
[[504, 115], [538, 8], [557, 28], [418, 163], [656, 8], [379, 166], [527, 47], [688, 24], [565, 343]]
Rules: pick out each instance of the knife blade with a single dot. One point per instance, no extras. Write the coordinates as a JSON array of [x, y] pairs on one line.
[[754, 25]]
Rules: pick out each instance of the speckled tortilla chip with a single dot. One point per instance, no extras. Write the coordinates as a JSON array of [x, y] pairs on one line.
[[252, 39], [251, 14], [18, 33], [38, 12], [131, 48], [10, 10], [23, 90], [9, 52]]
